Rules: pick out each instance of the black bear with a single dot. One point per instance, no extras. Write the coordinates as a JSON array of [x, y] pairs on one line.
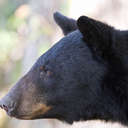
[[82, 77]]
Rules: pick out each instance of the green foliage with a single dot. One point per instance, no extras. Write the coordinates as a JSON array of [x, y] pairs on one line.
[[14, 22], [8, 40]]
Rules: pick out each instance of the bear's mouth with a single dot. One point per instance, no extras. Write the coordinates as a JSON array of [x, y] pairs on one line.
[[27, 117], [37, 112], [30, 116], [24, 117]]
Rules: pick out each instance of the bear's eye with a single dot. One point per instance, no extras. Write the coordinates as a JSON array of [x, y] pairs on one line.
[[44, 72], [42, 68]]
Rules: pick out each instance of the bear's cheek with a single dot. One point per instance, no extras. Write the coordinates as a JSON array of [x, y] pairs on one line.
[[33, 112], [31, 104]]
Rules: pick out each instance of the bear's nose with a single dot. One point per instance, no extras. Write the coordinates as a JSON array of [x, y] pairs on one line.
[[8, 107], [7, 104]]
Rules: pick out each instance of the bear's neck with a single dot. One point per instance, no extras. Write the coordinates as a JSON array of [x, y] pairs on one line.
[[115, 94], [113, 105]]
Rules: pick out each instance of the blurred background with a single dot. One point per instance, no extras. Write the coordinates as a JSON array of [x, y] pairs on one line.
[[27, 30]]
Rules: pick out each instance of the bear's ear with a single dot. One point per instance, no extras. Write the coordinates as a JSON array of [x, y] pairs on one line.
[[67, 25], [96, 34]]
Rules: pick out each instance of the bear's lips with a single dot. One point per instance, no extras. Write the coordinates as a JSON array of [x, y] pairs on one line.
[[7, 104], [11, 112], [22, 117], [34, 114]]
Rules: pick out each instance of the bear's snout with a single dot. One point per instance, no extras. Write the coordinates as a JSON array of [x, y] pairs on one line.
[[8, 105]]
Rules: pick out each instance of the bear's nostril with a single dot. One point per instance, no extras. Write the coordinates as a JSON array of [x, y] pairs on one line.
[[5, 108]]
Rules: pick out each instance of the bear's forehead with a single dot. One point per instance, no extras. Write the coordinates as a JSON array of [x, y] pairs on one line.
[[70, 50], [62, 48], [69, 54]]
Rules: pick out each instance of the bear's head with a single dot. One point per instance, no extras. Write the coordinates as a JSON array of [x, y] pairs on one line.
[[82, 77]]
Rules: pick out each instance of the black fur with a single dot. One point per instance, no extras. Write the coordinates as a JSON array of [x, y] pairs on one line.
[[84, 76], [67, 24]]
